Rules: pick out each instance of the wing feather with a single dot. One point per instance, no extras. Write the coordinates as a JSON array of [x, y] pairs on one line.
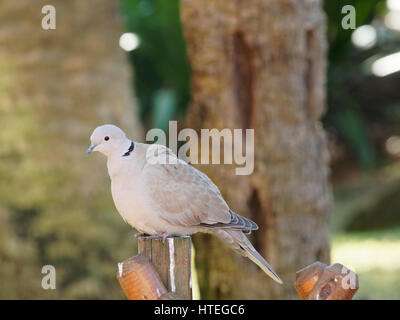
[[186, 196]]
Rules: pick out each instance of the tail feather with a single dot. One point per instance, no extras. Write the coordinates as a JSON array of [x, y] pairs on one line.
[[254, 256], [238, 240]]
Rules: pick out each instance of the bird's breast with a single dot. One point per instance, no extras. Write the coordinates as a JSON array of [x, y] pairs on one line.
[[131, 203]]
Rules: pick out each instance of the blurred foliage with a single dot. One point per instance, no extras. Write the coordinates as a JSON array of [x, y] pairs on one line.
[[162, 73], [375, 257], [361, 107], [381, 212], [365, 231]]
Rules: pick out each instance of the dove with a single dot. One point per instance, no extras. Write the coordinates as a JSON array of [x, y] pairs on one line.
[[161, 195]]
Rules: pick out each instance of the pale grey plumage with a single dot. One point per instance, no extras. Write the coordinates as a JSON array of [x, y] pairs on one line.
[[156, 193]]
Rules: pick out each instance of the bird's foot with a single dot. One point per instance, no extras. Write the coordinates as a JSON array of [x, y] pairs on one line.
[[139, 234], [162, 236]]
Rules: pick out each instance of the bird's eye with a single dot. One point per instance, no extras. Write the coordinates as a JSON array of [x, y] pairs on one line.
[[106, 138]]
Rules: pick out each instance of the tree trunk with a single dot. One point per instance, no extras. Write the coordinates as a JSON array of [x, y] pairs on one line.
[[56, 87], [260, 64]]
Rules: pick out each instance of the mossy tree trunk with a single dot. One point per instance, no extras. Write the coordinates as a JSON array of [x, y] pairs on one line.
[[56, 86], [260, 64]]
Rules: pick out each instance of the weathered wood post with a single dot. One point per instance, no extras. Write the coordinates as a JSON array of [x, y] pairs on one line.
[[172, 261], [161, 270], [321, 282]]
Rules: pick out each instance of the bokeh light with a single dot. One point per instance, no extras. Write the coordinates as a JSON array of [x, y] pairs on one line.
[[129, 41], [364, 37]]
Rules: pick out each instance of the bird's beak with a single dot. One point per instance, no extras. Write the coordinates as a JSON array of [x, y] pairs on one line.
[[91, 148]]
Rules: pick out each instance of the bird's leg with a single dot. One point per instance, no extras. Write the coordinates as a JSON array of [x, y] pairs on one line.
[[162, 236]]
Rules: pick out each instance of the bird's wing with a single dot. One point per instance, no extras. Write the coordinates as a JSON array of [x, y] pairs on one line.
[[187, 197]]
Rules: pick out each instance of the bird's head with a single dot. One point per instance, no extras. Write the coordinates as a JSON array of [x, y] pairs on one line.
[[108, 139]]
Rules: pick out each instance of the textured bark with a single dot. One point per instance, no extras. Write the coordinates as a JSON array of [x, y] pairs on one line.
[[56, 86], [73, 78], [261, 64]]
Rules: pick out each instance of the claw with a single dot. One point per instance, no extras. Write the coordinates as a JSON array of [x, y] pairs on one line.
[[139, 234], [162, 236]]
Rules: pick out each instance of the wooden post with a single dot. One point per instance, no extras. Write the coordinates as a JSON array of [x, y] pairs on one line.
[[320, 282], [172, 261]]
